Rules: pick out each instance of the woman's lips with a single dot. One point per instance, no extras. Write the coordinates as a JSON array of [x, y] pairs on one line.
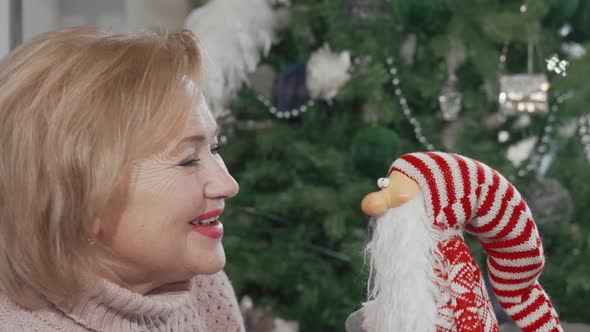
[[205, 226], [213, 230], [210, 214]]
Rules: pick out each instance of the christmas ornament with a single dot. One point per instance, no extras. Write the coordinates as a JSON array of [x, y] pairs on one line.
[[551, 204], [262, 80], [503, 136], [520, 151], [419, 260], [574, 50], [372, 148], [289, 90], [231, 50], [523, 93], [364, 12], [296, 89], [556, 65], [450, 98], [327, 72], [565, 30]]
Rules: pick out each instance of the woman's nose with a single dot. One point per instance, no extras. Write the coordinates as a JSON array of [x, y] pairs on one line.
[[221, 184]]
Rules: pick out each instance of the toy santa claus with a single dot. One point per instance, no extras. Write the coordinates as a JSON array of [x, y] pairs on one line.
[[423, 276]]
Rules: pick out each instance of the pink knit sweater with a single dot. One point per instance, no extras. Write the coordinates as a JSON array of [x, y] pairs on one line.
[[209, 306]]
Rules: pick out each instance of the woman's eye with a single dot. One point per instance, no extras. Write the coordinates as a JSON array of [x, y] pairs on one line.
[[215, 149], [189, 163]]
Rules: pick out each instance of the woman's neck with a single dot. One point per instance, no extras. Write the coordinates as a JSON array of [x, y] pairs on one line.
[[143, 283]]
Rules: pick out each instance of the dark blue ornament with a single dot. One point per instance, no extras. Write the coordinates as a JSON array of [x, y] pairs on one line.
[[290, 90]]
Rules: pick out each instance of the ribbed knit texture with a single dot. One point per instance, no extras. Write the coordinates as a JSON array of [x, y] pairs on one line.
[[464, 194], [209, 306]]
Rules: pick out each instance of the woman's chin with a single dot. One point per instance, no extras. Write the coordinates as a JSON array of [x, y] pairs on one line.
[[208, 263], [210, 269]]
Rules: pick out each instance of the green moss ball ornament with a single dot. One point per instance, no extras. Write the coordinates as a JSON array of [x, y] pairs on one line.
[[374, 149]]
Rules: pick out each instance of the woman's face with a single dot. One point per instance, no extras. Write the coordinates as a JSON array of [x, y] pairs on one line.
[[153, 232]]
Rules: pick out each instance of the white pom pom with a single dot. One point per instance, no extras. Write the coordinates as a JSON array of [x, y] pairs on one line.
[[383, 183], [327, 72]]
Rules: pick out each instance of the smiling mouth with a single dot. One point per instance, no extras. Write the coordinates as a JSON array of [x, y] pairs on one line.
[[210, 227], [210, 218], [206, 222]]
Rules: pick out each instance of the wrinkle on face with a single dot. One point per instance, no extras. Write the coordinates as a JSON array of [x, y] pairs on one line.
[[155, 176]]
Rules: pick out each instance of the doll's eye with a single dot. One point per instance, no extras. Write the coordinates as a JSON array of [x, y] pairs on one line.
[[383, 183]]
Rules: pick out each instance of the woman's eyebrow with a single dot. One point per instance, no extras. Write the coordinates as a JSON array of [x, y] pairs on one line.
[[193, 139]]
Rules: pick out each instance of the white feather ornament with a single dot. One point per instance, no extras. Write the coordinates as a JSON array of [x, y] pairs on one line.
[[233, 35], [520, 151], [327, 72]]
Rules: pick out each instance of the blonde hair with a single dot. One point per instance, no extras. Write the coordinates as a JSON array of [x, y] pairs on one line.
[[76, 107]]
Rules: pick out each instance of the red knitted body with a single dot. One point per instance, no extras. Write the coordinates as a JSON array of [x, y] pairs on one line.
[[468, 308], [464, 194]]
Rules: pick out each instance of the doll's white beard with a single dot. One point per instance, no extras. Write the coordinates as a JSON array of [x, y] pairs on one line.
[[402, 258]]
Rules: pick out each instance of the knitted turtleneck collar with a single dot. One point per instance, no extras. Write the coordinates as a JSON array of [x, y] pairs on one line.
[[206, 304], [125, 301], [113, 308]]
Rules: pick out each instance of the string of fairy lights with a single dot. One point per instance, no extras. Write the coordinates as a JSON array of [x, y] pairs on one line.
[[406, 110], [584, 133], [285, 114]]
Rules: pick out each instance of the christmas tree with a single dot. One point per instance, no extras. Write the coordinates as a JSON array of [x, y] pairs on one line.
[[501, 81]]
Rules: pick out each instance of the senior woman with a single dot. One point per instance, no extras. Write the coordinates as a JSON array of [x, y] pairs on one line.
[[111, 187]]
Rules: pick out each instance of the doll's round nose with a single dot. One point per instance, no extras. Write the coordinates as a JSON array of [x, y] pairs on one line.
[[374, 204]]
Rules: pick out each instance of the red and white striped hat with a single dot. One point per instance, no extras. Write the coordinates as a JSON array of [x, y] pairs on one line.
[[464, 194]]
